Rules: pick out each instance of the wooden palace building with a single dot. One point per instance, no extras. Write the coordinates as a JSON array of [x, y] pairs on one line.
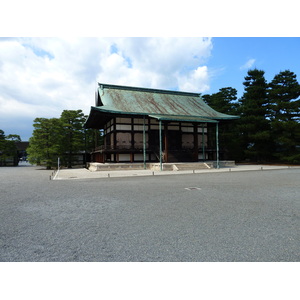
[[151, 125]]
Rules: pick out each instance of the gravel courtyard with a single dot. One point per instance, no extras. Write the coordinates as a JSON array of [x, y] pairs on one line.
[[235, 216]]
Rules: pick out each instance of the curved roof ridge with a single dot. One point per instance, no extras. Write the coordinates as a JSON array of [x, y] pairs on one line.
[[150, 90]]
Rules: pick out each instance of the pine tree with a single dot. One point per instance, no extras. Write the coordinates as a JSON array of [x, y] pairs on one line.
[[73, 135], [284, 92], [225, 101], [8, 148], [254, 125], [44, 145]]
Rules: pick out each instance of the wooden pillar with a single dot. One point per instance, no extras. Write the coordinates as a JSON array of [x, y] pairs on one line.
[[115, 138], [144, 142], [203, 143], [160, 146], [166, 142], [196, 141], [180, 135], [132, 141], [132, 133], [217, 144]]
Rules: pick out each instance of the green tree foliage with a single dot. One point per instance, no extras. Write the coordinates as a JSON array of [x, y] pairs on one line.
[[73, 136], [225, 101], [45, 143], [254, 126], [8, 149], [14, 138], [284, 92], [93, 138], [269, 125], [63, 137]]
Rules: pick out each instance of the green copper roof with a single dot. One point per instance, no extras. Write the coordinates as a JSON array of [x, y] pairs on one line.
[[182, 118], [169, 105]]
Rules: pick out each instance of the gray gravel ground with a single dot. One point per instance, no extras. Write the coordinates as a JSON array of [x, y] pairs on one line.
[[234, 216]]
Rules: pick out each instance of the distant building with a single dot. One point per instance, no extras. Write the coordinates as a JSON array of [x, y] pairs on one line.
[[21, 150], [141, 124], [11, 155]]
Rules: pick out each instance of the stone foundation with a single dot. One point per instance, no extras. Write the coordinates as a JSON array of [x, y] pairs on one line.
[[156, 166]]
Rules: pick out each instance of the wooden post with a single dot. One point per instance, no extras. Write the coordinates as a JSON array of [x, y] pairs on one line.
[[166, 142], [144, 142], [196, 142], [203, 143], [217, 144], [160, 146]]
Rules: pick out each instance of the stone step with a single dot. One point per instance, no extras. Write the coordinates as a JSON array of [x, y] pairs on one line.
[[191, 166], [115, 166]]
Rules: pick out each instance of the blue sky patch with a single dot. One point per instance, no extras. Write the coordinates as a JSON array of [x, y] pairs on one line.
[[114, 49], [39, 52]]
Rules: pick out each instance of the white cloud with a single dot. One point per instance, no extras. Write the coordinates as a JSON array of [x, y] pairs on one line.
[[195, 81], [161, 61], [40, 77], [250, 62]]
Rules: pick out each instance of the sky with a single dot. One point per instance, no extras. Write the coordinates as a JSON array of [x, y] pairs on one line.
[[41, 77]]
